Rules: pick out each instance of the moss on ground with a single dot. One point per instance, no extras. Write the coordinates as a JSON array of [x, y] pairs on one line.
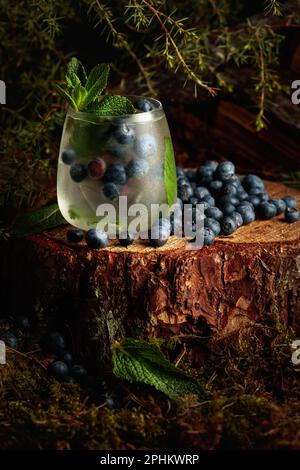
[[254, 400]]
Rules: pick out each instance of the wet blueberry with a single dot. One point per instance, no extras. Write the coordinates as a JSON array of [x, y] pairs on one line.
[[68, 156], [66, 357], [159, 235], [225, 171], [137, 169], [78, 172], [124, 134], [266, 210], [228, 225], [115, 173], [96, 168], [9, 339], [145, 145], [78, 373], [208, 236], [236, 216], [111, 191], [252, 181], [290, 202], [247, 213], [126, 239], [74, 235], [279, 204], [215, 187], [213, 224], [96, 238], [214, 213], [292, 215], [200, 192], [58, 369], [143, 105]]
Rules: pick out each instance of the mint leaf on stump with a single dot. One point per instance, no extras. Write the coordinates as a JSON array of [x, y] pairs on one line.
[[36, 221], [170, 172], [142, 361]]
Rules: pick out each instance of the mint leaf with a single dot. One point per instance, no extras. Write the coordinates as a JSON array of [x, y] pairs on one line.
[[79, 95], [98, 73], [114, 105], [142, 361], [66, 96], [170, 172], [36, 221], [76, 73]]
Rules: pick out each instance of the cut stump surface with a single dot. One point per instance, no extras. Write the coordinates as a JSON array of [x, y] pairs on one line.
[[146, 292]]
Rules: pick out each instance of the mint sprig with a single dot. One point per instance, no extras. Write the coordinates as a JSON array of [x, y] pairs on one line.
[[86, 92]]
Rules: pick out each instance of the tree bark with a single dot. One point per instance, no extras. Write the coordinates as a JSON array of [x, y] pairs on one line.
[[145, 292]]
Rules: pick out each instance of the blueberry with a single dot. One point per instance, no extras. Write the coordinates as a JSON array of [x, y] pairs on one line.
[[116, 174], [159, 236], [124, 134], [68, 156], [213, 224], [111, 191], [292, 215], [279, 204], [193, 200], [105, 399], [145, 145], [253, 181], [227, 208], [185, 192], [210, 201], [236, 216], [96, 168], [181, 181], [78, 172], [143, 105], [180, 172], [204, 171], [58, 369], [227, 199], [266, 211], [255, 191], [225, 171], [247, 213], [55, 343], [9, 339], [215, 186], [200, 192], [264, 197], [229, 189], [228, 225], [78, 372], [66, 357], [290, 202], [137, 169], [191, 175], [241, 194], [205, 181], [74, 235], [22, 322], [213, 164], [96, 238], [208, 236], [126, 239], [255, 200], [214, 213]]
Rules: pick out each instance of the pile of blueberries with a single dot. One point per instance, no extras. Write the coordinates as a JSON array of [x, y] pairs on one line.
[[229, 201], [63, 368]]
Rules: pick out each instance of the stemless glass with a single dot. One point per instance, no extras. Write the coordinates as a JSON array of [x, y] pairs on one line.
[[101, 159]]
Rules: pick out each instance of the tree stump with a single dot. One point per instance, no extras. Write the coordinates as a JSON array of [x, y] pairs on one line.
[[145, 292]]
